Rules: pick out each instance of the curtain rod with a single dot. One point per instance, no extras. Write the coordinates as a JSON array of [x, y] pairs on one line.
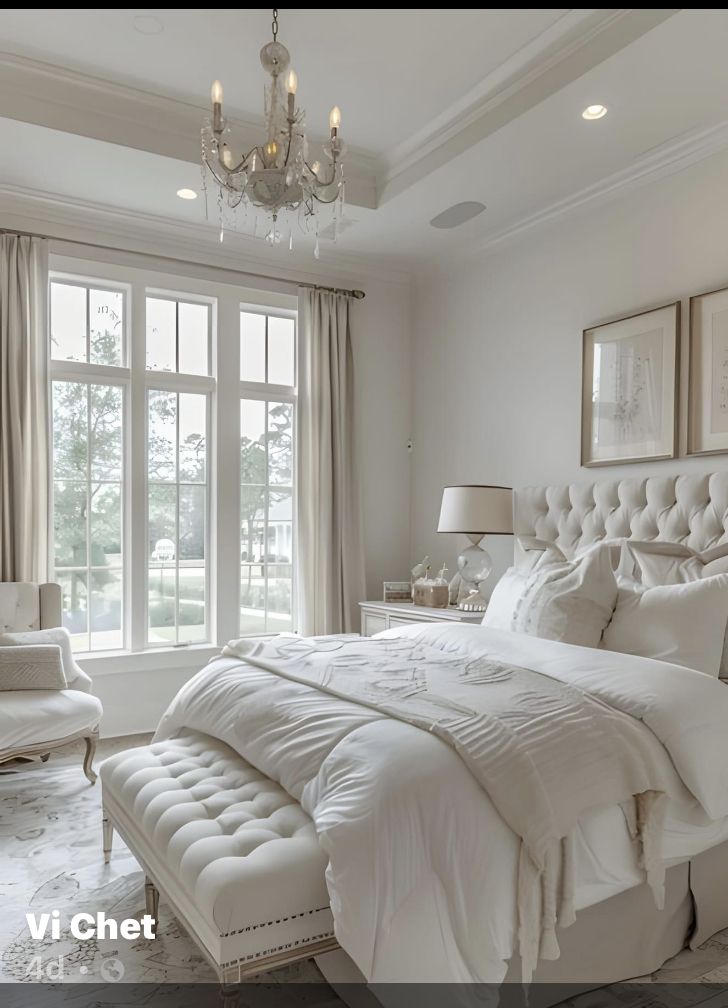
[[358, 294]]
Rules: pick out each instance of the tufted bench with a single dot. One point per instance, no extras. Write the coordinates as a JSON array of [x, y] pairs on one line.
[[235, 856]]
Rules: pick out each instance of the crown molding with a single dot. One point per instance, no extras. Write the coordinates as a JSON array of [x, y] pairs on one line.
[[60, 99], [670, 158], [576, 43], [68, 220]]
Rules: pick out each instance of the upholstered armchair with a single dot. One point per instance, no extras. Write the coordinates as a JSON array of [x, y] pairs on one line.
[[35, 721]]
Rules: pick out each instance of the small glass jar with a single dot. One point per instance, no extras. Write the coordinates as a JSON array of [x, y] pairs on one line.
[[431, 593]]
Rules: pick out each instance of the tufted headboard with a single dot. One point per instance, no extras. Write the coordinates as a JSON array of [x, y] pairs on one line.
[[690, 509]]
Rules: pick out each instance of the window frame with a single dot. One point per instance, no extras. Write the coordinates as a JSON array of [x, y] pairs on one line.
[[224, 391], [267, 393]]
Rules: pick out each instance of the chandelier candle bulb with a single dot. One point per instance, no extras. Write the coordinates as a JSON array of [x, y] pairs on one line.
[[334, 120], [216, 95], [291, 87]]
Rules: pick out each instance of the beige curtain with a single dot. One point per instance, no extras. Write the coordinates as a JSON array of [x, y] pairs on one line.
[[23, 409], [330, 553]]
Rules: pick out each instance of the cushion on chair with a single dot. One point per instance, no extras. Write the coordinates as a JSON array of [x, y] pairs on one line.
[[31, 667], [75, 677], [226, 844], [31, 717]]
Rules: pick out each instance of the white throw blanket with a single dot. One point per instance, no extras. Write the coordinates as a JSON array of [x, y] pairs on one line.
[[545, 744]]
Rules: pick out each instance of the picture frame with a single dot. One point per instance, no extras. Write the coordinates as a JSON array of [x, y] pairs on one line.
[[630, 388], [397, 591], [708, 374]]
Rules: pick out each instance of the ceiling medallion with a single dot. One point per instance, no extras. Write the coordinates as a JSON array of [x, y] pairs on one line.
[[274, 177]]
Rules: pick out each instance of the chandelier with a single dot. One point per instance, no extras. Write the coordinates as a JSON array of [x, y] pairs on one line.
[[275, 177]]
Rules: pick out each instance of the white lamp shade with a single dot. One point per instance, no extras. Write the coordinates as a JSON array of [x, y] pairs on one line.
[[477, 509]]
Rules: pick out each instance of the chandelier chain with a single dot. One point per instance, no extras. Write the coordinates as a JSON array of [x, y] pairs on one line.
[[274, 25]]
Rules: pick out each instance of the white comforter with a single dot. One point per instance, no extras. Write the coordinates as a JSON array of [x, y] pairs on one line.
[[422, 869]]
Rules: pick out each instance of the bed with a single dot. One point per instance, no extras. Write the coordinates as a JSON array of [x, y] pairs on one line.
[[427, 879]]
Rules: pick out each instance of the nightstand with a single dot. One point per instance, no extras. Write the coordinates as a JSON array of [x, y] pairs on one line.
[[376, 616]]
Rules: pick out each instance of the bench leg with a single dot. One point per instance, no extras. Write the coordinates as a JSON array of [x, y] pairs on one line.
[[151, 896], [89, 757], [108, 828]]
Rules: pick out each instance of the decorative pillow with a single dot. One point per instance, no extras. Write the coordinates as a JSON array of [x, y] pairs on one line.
[[58, 636], [31, 667], [684, 623], [569, 601], [665, 563]]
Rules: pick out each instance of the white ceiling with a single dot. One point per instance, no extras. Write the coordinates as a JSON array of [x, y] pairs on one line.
[[502, 128], [390, 71]]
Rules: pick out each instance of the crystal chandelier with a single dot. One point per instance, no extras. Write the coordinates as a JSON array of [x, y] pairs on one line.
[[275, 177]]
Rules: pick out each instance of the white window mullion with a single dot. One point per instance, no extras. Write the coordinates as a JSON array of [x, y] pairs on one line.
[[136, 489], [225, 471]]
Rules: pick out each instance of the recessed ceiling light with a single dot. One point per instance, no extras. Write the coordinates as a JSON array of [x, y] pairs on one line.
[[187, 194], [457, 214], [594, 112], [147, 24]]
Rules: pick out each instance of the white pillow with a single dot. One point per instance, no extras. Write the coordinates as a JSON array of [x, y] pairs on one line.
[[666, 563], [31, 667], [684, 624], [53, 635], [531, 551], [569, 601]]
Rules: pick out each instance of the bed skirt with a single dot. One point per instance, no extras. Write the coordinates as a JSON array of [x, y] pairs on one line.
[[619, 939]]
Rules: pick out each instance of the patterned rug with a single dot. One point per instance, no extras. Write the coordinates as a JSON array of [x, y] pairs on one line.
[[51, 858]]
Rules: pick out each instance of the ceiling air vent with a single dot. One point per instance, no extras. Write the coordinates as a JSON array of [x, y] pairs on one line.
[[458, 214]]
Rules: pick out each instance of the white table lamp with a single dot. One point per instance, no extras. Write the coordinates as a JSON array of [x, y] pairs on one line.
[[475, 511]]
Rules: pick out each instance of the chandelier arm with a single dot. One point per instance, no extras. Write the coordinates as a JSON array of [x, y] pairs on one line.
[[240, 166], [320, 181], [326, 202]]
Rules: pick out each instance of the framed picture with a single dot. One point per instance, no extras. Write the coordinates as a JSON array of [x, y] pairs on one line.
[[397, 591], [630, 388], [708, 381]]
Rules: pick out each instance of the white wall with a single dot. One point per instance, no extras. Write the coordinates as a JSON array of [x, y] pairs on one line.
[[382, 328], [497, 345]]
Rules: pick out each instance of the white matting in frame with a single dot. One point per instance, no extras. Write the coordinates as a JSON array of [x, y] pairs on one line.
[[630, 388]]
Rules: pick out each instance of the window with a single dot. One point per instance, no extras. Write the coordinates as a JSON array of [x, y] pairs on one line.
[[267, 368], [87, 338], [140, 490], [177, 517]]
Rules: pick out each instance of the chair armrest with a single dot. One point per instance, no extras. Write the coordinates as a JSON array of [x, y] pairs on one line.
[[80, 681]]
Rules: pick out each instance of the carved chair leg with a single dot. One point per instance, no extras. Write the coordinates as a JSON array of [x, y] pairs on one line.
[[151, 896], [108, 828], [89, 757]]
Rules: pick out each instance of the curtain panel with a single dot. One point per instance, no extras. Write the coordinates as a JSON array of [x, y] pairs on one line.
[[23, 408], [330, 552]]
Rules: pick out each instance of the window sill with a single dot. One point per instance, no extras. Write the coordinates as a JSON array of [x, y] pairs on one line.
[[192, 656]]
